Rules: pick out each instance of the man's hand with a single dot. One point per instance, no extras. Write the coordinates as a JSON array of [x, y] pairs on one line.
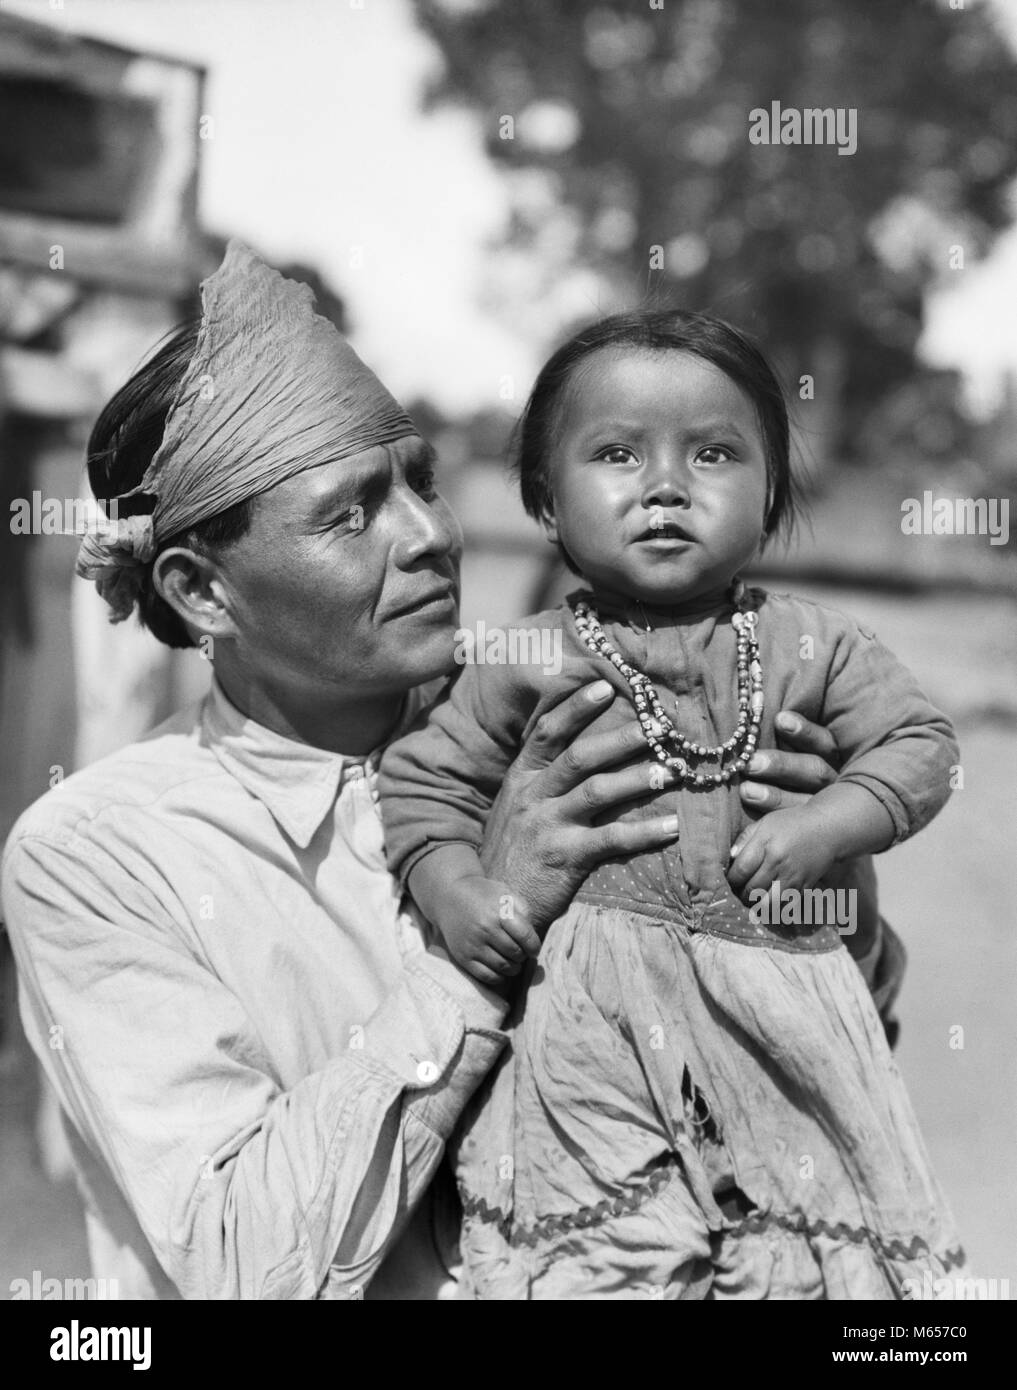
[[778, 846], [542, 836], [790, 778]]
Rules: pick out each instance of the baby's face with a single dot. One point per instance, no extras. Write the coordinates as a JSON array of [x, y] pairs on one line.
[[658, 476]]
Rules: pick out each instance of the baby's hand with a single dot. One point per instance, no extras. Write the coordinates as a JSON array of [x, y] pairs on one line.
[[486, 928], [795, 846]]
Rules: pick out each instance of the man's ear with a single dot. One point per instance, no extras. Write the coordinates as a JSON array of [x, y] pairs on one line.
[[192, 585]]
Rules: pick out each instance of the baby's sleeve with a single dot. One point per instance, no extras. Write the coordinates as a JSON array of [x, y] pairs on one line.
[[438, 782], [892, 740]]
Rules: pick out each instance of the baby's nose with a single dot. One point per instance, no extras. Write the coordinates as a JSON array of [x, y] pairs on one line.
[[666, 489]]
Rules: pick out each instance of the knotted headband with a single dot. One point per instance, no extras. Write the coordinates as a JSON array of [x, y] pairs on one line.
[[272, 389]]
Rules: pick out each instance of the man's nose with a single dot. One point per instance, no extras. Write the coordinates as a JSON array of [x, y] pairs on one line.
[[429, 529], [666, 485]]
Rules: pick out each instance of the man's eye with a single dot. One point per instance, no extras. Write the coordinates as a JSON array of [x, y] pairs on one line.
[[617, 453], [714, 453], [355, 519], [424, 484]]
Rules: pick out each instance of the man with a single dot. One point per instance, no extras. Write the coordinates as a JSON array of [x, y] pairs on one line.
[[259, 1053]]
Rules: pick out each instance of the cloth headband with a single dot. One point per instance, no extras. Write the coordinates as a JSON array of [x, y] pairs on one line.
[[272, 389]]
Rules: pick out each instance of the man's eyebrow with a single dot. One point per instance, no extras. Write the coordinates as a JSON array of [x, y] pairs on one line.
[[426, 454], [368, 483], [356, 486]]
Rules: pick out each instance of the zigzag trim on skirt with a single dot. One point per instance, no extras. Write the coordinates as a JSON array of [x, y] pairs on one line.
[[580, 1219], [585, 1217], [857, 1235]]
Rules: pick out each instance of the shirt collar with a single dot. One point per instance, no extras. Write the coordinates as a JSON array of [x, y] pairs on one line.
[[297, 783]]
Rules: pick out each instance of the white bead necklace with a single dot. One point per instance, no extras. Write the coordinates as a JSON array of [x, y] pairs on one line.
[[668, 744]]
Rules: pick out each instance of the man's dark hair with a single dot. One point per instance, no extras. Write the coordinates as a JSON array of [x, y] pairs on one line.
[[123, 442], [662, 330]]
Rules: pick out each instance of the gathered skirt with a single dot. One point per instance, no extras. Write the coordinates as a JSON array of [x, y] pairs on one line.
[[685, 1115]]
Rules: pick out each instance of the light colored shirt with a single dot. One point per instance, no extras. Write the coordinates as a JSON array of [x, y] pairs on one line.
[[259, 1062]]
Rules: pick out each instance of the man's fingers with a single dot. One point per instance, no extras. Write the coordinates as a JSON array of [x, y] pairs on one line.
[[757, 796], [791, 777], [623, 838], [805, 772], [557, 729], [804, 736], [597, 751], [605, 791]]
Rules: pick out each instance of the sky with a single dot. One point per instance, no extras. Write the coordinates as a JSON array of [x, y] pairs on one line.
[[320, 153]]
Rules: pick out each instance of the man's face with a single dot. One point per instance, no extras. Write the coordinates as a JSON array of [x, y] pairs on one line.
[[349, 576]]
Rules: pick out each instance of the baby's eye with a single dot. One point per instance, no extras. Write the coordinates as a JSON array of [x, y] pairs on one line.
[[616, 453], [714, 453]]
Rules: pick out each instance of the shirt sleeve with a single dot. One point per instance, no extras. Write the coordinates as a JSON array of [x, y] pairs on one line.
[[892, 740], [439, 781], [245, 1186]]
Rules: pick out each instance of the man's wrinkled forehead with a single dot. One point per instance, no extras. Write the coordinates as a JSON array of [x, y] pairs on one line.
[[316, 492], [272, 390]]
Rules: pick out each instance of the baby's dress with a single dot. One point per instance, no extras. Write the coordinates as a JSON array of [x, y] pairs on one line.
[[694, 1104]]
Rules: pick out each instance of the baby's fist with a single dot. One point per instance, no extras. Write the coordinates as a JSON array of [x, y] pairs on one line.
[[487, 929], [790, 846]]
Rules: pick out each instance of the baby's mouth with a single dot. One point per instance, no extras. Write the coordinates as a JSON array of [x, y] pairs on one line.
[[665, 531]]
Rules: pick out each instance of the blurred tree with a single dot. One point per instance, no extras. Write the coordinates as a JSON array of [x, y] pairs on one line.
[[624, 128]]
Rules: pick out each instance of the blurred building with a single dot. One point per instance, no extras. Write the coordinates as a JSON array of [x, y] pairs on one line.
[[99, 250]]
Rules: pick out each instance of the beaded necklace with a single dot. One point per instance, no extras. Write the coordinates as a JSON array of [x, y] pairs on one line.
[[667, 743]]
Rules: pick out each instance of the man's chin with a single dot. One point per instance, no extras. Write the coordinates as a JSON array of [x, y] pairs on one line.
[[429, 647]]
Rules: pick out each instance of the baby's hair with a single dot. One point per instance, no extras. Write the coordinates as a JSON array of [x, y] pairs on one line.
[[659, 330]]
